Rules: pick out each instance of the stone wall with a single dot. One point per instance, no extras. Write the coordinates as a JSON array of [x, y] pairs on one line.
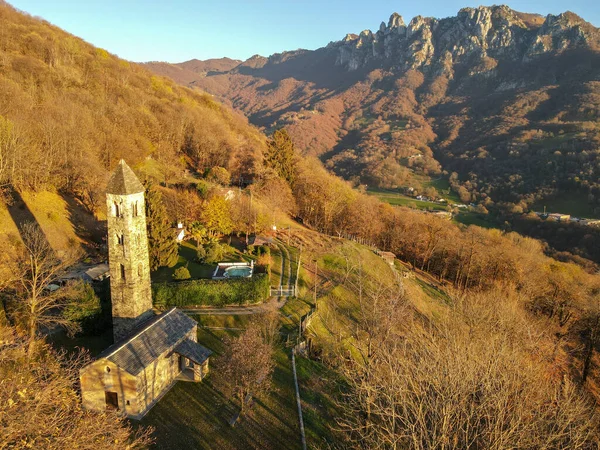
[[129, 262], [101, 376]]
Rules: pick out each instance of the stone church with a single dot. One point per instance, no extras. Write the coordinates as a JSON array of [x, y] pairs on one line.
[[151, 352]]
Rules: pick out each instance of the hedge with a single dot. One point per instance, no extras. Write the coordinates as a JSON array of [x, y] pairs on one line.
[[234, 291]]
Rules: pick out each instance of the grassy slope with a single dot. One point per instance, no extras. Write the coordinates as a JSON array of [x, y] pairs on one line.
[[196, 415]]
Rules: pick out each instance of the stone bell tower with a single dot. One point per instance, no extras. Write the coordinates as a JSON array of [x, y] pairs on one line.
[[128, 259]]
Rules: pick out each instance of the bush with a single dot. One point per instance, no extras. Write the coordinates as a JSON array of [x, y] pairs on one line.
[[238, 291], [200, 254], [181, 273], [214, 253]]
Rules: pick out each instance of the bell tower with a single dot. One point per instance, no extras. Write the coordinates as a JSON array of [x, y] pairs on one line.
[[128, 259]]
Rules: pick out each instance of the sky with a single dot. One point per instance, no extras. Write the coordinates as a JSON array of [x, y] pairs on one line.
[[180, 30]]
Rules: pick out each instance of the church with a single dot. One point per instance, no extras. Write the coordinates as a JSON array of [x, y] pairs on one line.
[[150, 351]]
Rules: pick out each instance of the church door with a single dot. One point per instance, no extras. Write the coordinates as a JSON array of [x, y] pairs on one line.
[[112, 400]]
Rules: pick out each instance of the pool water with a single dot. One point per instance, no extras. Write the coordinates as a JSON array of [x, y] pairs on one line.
[[238, 272]]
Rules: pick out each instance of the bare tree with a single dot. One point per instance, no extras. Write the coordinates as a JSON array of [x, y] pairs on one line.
[[34, 269], [246, 367], [476, 383], [40, 407]]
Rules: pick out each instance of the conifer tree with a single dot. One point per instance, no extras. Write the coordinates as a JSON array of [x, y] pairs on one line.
[[279, 155], [162, 242]]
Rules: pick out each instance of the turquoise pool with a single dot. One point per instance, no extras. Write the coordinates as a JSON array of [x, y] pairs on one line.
[[238, 272]]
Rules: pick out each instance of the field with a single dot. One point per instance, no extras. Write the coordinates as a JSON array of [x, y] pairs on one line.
[[574, 204], [397, 199]]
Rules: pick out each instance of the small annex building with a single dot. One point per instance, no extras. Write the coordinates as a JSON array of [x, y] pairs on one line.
[[150, 351]]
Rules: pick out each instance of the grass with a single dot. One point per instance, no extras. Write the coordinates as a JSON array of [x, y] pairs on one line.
[[574, 204], [275, 266], [318, 389], [196, 415], [397, 199], [187, 256], [433, 292], [472, 218], [222, 320], [442, 185]]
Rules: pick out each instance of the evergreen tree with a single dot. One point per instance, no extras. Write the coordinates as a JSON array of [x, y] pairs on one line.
[[280, 155], [162, 242]]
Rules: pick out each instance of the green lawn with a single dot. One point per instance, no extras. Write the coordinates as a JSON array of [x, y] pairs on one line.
[[187, 256], [397, 199], [574, 204], [319, 387]]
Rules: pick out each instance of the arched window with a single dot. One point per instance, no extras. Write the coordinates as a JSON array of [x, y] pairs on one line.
[[135, 209], [121, 239], [117, 210], [122, 271]]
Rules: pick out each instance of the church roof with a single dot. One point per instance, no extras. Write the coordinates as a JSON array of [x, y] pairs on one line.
[[192, 350], [123, 181], [155, 337]]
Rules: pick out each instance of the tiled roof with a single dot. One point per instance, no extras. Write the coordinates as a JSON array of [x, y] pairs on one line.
[[157, 336], [192, 350], [123, 181]]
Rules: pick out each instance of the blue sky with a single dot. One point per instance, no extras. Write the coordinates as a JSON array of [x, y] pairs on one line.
[[179, 30]]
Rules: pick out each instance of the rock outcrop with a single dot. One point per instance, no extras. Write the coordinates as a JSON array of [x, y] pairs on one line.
[[483, 33]]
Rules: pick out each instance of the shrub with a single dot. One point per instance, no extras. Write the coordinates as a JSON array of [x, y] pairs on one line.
[[200, 253], [212, 292], [181, 273], [214, 253]]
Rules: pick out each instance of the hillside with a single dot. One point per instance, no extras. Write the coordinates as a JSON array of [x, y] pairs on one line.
[[507, 100], [69, 112]]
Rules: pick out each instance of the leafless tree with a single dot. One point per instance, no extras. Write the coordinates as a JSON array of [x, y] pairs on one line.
[[40, 407], [34, 269], [246, 367]]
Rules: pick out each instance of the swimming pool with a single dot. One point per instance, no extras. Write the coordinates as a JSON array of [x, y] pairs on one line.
[[238, 272]]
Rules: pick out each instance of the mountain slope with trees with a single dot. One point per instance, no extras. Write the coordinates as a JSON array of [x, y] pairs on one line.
[[69, 112], [507, 100]]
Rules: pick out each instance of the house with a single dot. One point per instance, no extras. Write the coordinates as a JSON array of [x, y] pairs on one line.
[[150, 352], [388, 257], [590, 222], [98, 272], [179, 232], [558, 217]]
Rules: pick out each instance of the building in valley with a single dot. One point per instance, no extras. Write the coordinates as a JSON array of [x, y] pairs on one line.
[[151, 352]]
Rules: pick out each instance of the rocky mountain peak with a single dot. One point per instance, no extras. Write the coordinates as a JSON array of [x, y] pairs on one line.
[[488, 33]]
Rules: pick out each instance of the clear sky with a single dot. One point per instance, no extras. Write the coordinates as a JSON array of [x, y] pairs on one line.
[[179, 30]]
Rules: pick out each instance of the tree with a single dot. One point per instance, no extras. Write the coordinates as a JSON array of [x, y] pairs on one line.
[[220, 175], [40, 406], [247, 365], [280, 155], [34, 269], [217, 217], [162, 242]]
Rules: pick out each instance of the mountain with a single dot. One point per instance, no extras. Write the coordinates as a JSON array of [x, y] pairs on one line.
[[507, 100]]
